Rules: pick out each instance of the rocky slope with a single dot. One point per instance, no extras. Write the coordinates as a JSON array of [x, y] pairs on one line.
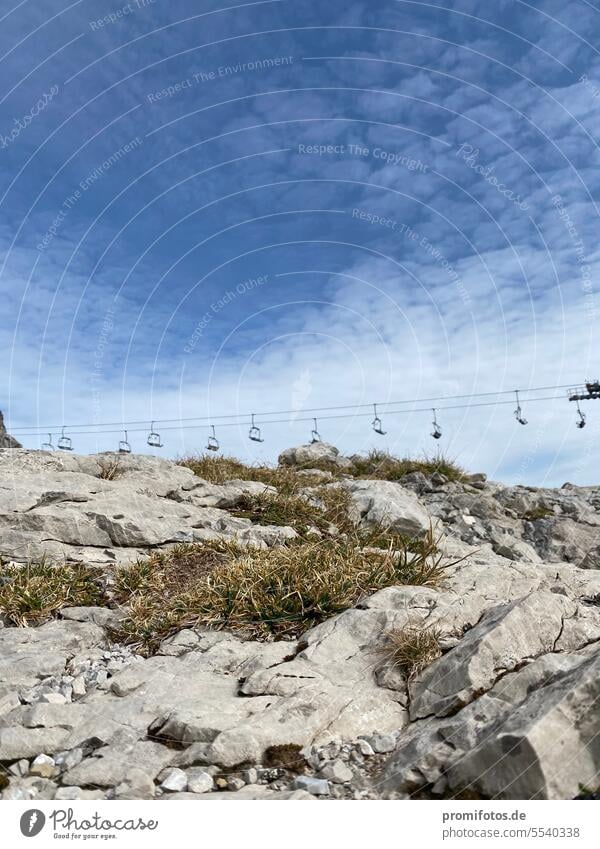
[[509, 709]]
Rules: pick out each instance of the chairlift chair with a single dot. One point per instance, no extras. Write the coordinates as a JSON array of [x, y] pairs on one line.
[[580, 423], [154, 438], [437, 431], [518, 412], [315, 436], [47, 446], [64, 443], [124, 446], [213, 442], [254, 433], [376, 423]]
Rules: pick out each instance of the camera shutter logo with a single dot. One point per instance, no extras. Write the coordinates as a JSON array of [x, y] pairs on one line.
[[32, 822]]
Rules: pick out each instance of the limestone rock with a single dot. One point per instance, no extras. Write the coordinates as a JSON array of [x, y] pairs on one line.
[[315, 452], [388, 504]]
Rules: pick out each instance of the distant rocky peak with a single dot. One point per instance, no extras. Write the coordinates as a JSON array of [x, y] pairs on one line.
[[6, 440]]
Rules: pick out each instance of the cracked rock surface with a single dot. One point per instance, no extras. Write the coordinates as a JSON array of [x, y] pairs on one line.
[[511, 708]]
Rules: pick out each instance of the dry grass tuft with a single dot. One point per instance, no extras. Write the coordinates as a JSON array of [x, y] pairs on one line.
[[384, 466], [110, 467], [412, 649], [33, 593], [265, 594]]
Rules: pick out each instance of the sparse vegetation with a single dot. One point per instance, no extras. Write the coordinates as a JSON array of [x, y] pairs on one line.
[[32, 594], [273, 593], [412, 649], [384, 466], [378, 465], [110, 467], [538, 512]]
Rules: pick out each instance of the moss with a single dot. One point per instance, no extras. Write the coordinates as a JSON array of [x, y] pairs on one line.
[[286, 756]]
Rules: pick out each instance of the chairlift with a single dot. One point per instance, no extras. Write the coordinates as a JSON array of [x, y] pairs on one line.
[[315, 436], [213, 442], [47, 446], [154, 438], [376, 423], [254, 433], [581, 421], [437, 431], [518, 412], [124, 446], [65, 443]]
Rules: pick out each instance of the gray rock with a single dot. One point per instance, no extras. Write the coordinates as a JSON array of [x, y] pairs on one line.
[[388, 504], [44, 766], [523, 629], [316, 452], [381, 743], [546, 749], [337, 772], [314, 786], [173, 779], [199, 781]]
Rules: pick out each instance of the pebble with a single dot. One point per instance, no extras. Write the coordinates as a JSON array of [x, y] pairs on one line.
[[337, 771], [250, 776], [69, 760], [234, 782], [78, 686], [199, 781], [173, 779], [365, 748], [53, 698], [44, 766], [316, 786], [382, 743], [20, 768]]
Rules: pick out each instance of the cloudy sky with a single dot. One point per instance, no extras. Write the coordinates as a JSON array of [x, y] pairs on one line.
[[209, 210]]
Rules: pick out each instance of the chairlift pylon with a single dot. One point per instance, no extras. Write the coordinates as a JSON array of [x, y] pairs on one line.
[[580, 423], [437, 431], [518, 412], [124, 446], [254, 433], [315, 436], [213, 442], [64, 443], [376, 423], [154, 438], [47, 446]]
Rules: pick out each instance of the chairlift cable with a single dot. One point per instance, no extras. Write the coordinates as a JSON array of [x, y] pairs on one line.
[[76, 428]]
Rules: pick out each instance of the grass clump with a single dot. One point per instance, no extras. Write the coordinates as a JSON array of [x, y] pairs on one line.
[[32, 594], [538, 512], [110, 467], [272, 593], [379, 465], [412, 649], [384, 466]]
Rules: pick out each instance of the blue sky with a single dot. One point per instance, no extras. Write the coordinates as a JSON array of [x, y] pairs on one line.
[[210, 210]]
